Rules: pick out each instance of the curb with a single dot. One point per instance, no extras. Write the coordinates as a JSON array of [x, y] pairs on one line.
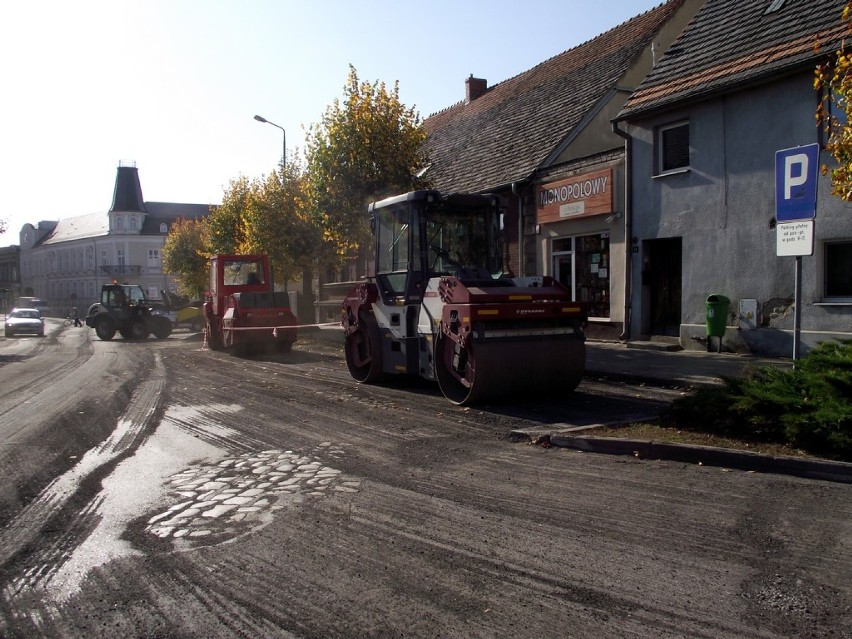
[[825, 470]]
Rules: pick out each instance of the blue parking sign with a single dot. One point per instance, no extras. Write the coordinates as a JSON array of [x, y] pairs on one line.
[[796, 174]]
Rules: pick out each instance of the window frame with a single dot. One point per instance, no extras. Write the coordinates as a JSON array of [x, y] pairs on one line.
[[661, 146], [833, 297]]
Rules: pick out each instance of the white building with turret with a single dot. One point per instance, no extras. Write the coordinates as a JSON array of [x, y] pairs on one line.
[[65, 263]]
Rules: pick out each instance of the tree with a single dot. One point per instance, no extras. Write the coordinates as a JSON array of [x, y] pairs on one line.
[[834, 113], [276, 221], [185, 256], [367, 146], [225, 230]]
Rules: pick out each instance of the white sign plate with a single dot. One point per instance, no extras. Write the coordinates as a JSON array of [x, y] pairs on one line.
[[794, 239]]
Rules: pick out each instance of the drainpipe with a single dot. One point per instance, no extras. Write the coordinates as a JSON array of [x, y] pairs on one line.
[[521, 256], [628, 229]]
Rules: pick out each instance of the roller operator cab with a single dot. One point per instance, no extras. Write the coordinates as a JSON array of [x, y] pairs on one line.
[[242, 311], [439, 306]]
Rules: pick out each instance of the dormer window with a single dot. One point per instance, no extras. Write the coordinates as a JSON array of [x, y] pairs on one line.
[[164, 228]]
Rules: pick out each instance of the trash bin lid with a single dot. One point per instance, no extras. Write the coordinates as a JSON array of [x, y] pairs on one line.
[[716, 297]]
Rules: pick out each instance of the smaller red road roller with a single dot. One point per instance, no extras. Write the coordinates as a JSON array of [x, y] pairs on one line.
[[242, 311], [438, 306]]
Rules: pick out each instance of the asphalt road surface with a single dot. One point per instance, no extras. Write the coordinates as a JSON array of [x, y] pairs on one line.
[[159, 489]]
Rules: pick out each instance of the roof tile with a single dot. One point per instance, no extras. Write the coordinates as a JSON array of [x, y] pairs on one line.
[[505, 134], [730, 42]]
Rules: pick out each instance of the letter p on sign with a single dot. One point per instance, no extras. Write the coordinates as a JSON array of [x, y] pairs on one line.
[[795, 173], [796, 183]]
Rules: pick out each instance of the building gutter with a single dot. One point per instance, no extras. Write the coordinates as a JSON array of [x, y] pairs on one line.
[[628, 228]]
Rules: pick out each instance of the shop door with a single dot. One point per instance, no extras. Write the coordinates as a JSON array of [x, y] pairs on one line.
[[662, 277], [563, 270]]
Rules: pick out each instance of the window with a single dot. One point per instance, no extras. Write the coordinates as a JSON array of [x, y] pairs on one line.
[[133, 223], [153, 258], [164, 228], [582, 265], [673, 147], [838, 270], [120, 256]]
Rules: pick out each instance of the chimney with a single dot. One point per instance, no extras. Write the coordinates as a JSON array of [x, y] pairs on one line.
[[474, 87], [128, 192]]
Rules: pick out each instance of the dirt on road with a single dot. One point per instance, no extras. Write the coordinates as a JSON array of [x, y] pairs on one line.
[[275, 497]]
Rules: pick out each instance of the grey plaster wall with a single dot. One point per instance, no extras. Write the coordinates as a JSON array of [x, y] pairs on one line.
[[722, 208]]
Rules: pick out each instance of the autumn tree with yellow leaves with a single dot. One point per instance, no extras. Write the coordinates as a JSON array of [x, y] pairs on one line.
[[185, 256], [834, 114], [368, 146], [276, 220]]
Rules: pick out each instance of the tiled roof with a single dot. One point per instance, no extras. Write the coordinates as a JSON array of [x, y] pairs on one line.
[[78, 228], [168, 212], [731, 43], [504, 135], [97, 224]]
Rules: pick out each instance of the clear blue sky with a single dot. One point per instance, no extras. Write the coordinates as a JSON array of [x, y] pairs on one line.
[[174, 84]]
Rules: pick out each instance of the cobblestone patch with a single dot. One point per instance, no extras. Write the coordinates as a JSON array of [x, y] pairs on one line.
[[218, 502]]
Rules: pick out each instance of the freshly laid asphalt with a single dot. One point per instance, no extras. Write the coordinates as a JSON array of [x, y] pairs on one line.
[[651, 364]]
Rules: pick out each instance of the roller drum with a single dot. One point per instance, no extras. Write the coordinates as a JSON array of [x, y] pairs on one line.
[[487, 371]]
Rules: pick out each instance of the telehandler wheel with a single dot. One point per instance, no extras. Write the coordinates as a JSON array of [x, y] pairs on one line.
[[138, 329], [105, 328], [364, 351], [162, 328]]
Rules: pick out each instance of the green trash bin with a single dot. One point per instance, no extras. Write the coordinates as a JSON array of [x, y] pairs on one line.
[[717, 317]]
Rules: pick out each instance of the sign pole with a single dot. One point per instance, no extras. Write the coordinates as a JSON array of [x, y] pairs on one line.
[[797, 310], [796, 179]]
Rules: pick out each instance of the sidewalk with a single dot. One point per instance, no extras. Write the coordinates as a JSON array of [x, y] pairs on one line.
[[684, 368]]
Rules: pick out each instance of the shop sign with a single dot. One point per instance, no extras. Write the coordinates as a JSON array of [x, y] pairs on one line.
[[579, 196]]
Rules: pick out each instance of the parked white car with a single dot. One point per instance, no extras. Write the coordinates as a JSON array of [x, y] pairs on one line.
[[24, 320]]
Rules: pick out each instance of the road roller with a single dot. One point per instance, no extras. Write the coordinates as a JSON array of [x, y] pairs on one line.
[[438, 305]]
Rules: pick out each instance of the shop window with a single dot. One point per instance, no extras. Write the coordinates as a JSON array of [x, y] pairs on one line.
[[582, 265], [838, 270], [673, 147]]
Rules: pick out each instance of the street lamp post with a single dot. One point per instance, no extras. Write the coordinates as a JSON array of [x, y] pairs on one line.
[[260, 118]]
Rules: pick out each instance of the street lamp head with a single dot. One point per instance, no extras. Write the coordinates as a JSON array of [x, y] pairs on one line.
[[260, 118]]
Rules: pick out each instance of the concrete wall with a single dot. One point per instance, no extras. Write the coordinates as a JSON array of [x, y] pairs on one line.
[[722, 208]]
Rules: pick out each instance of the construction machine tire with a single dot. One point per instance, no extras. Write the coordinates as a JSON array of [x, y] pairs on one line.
[[162, 328], [138, 329], [105, 328], [508, 371], [364, 351], [214, 338]]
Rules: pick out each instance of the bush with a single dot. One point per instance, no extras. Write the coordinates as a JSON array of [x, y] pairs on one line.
[[808, 407]]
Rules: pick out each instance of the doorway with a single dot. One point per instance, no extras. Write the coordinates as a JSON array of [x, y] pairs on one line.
[[661, 283]]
